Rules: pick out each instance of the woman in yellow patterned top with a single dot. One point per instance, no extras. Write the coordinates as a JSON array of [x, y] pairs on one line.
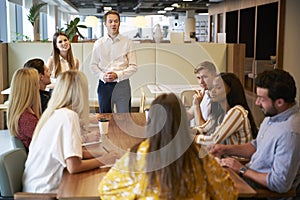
[[167, 165]]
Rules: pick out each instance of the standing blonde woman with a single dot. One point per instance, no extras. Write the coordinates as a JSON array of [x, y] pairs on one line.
[[24, 107], [62, 58], [56, 143]]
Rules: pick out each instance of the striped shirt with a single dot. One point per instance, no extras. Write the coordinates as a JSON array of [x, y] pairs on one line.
[[234, 129]]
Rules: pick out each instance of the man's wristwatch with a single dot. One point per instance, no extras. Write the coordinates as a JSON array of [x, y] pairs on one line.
[[242, 171]]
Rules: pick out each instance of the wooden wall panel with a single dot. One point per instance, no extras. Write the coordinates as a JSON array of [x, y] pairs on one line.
[[236, 60], [3, 81]]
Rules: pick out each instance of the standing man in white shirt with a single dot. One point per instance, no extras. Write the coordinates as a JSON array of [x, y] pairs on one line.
[[201, 108], [113, 61]]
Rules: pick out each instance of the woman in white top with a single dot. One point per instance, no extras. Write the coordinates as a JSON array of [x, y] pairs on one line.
[[56, 143], [62, 58], [230, 121]]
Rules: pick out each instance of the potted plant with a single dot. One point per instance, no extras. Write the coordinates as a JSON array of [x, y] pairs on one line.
[[72, 30], [33, 17]]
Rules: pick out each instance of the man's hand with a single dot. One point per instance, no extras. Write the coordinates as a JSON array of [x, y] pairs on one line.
[[198, 96], [217, 150], [110, 76], [231, 163]]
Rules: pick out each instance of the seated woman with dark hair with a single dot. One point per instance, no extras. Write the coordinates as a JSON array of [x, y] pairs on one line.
[[167, 164], [231, 120]]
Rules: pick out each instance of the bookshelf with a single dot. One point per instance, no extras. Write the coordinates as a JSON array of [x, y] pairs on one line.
[[202, 30]]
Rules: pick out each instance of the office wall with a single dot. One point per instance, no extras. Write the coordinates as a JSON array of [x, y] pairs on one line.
[[291, 61], [157, 63]]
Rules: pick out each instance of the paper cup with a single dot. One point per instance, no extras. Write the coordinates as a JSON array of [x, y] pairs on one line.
[[146, 114], [103, 125]]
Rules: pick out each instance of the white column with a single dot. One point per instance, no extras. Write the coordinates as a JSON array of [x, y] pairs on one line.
[[189, 23], [52, 19], [27, 27]]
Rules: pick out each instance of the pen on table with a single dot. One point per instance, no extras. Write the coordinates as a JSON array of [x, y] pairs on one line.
[[105, 149]]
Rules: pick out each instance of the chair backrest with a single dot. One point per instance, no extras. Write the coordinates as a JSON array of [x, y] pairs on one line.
[[17, 143], [142, 102], [187, 97], [12, 164]]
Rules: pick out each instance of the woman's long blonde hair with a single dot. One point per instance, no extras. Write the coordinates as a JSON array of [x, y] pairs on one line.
[[71, 91], [24, 94]]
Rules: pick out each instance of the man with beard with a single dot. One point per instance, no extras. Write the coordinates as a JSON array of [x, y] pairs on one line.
[[274, 154]]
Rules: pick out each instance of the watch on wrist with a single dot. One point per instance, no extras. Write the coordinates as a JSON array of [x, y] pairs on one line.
[[242, 171]]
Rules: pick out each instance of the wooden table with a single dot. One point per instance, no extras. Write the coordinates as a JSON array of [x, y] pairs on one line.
[[85, 185], [125, 130], [244, 189]]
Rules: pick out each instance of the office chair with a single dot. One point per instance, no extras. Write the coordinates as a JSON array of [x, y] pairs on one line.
[[12, 164], [187, 97], [142, 102], [17, 143], [143, 105]]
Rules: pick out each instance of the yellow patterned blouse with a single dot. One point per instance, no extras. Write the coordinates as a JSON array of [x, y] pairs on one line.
[[120, 183]]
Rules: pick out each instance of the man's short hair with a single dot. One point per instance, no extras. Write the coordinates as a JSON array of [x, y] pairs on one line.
[[280, 84], [205, 65], [37, 64], [111, 12]]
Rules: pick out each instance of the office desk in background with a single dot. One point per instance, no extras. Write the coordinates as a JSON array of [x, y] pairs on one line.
[[85, 185], [177, 89]]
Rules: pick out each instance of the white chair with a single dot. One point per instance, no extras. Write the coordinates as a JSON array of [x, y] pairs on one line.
[[17, 143], [187, 97], [12, 164], [142, 102]]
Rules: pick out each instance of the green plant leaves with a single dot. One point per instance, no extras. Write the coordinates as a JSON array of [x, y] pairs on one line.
[[34, 12], [72, 28]]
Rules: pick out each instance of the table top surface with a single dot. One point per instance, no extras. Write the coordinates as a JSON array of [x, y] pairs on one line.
[[85, 185]]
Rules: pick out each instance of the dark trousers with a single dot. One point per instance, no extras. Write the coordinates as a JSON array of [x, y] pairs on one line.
[[114, 93]]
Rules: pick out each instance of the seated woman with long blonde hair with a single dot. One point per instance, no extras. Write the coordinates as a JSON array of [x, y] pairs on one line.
[[24, 108], [56, 143]]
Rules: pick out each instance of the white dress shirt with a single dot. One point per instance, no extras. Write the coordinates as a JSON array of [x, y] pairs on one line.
[[113, 55], [64, 67], [205, 105]]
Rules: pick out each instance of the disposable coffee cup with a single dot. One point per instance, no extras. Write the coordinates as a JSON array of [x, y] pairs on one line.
[[146, 114], [103, 125]]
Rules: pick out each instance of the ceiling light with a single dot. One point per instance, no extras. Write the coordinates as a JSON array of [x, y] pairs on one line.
[[107, 8], [161, 12], [140, 21], [169, 8], [91, 21], [175, 5], [187, 0], [202, 13]]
